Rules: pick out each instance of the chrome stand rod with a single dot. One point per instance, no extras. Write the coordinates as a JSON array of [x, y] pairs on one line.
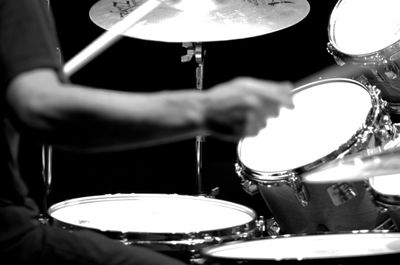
[[196, 50]]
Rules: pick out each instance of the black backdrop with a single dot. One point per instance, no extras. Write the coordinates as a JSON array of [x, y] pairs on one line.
[[139, 65]]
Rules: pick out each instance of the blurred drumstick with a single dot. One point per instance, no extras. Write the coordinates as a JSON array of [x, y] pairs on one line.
[[109, 37], [332, 71], [369, 163]]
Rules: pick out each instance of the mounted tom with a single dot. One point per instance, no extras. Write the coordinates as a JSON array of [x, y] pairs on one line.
[[332, 118]]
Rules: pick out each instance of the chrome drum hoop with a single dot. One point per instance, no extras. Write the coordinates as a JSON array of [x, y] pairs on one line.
[[165, 239]]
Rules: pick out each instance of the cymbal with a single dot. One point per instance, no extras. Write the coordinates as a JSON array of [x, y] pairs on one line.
[[202, 20], [373, 162]]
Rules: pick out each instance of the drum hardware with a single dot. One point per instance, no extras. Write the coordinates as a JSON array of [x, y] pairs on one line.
[[214, 193], [47, 158], [248, 185], [271, 228], [299, 189], [196, 50], [387, 224], [47, 162]]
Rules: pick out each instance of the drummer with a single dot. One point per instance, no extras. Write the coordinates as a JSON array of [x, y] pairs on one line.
[[39, 104]]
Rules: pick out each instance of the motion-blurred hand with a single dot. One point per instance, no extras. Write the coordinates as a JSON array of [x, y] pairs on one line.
[[242, 106]]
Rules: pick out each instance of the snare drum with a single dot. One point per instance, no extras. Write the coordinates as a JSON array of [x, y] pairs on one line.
[[342, 248], [385, 191], [366, 33], [175, 224], [331, 118]]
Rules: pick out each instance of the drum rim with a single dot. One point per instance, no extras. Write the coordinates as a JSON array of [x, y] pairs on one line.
[[164, 240], [269, 177], [205, 252]]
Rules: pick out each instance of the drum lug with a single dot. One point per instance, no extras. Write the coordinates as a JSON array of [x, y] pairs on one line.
[[267, 227], [387, 130], [299, 189], [248, 186], [390, 70], [332, 51]]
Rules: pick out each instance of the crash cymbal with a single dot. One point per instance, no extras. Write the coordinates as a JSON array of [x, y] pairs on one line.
[[360, 166], [202, 20]]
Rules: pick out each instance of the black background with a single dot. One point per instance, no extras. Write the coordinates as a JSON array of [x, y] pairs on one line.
[[140, 65]]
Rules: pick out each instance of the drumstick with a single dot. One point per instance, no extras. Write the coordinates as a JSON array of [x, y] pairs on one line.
[[332, 71], [109, 37]]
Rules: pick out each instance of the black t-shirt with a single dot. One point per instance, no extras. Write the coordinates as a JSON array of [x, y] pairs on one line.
[[27, 41]]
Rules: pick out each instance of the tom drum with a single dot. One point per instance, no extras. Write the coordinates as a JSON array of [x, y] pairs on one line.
[[331, 118]]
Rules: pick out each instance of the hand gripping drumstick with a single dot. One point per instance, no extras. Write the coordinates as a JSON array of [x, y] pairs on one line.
[[109, 37]]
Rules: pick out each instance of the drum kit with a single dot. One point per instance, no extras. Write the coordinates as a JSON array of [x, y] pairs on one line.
[[328, 175]]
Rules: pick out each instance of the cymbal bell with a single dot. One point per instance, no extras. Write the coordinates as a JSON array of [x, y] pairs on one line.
[[202, 20], [370, 163]]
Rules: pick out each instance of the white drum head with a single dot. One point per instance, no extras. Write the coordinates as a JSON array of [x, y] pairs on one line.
[[364, 26], [326, 115], [386, 185], [151, 213], [309, 247]]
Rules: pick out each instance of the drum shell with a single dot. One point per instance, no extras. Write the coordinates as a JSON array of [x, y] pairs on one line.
[[320, 214]]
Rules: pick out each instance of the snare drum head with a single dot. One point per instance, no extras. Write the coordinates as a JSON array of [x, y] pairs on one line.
[[327, 115], [151, 213], [364, 26], [310, 247]]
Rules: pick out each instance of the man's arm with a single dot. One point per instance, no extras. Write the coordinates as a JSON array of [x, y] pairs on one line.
[[84, 118]]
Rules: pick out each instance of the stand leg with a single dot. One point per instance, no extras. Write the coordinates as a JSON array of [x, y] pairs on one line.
[[199, 164], [47, 153]]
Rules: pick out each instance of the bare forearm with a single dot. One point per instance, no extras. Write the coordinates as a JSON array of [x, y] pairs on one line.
[[84, 118]]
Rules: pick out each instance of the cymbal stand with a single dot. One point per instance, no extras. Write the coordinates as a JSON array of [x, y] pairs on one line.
[[47, 154], [196, 50]]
